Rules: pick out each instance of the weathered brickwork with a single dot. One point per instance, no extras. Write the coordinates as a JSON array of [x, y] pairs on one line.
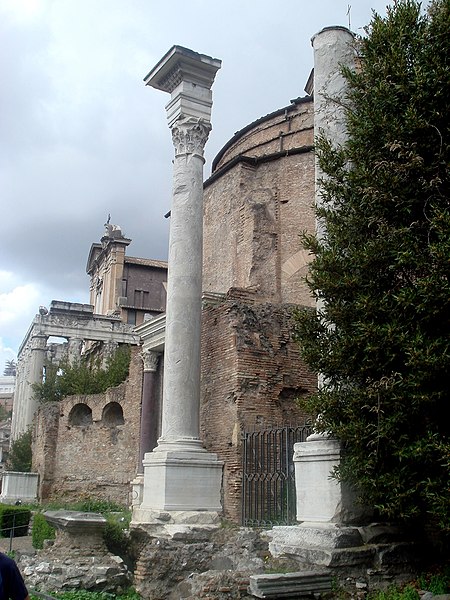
[[257, 203], [251, 376], [281, 131], [87, 446]]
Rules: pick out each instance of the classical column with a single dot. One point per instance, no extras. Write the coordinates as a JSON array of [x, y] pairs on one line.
[[74, 350], [36, 367], [188, 77], [326, 508], [179, 474], [315, 459], [334, 47], [149, 409]]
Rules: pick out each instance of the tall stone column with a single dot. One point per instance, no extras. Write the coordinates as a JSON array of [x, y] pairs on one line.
[[333, 47], [326, 508], [179, 475], [36, 367], [149, 410], [74, 350]]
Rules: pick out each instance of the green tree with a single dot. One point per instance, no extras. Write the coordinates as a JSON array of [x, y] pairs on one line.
[[10, 368], [19, 457], [82, 377], [381, 272], [4, 414]]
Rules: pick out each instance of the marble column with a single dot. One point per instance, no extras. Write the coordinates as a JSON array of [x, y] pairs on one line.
[[149, 409], [326, 508], [180, 475], [333, 47], [36, 368], [324, 505], [74, 350]]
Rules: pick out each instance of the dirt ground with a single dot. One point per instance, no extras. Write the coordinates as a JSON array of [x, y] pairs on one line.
[[17, 543]]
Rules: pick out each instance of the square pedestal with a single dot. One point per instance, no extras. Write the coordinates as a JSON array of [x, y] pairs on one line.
[[182, 480]]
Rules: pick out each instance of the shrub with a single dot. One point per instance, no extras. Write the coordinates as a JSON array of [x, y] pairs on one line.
[[83, 377], [14, 520], [380, 272], [19, 458], [40, 531]]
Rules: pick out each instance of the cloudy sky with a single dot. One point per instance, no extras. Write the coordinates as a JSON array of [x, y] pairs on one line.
[[82, 137]]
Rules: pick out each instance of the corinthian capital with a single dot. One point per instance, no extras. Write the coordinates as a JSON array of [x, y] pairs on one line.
[[190, 134], [150, 360], [39, 342]]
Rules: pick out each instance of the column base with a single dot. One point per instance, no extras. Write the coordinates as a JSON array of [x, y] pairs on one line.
[[137, 491], [178, 479]]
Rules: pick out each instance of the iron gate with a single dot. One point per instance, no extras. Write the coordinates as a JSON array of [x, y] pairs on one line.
[[268, 483]]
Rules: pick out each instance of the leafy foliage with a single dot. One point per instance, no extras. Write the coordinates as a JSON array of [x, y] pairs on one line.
[[41, 530], [82, 377], [14, 520], [19, 457], [437, 582], [4, 414], [116, 535], [381, 272], [10, 368]]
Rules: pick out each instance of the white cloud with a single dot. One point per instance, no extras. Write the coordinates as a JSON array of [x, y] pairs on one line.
[[18, 305], [21, 10]]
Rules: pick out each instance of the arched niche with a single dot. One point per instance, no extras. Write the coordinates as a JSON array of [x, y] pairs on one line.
[[112, 415], [80, 415]]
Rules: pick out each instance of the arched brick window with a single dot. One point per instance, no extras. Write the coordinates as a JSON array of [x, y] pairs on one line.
[[112, 415], [80, 415]]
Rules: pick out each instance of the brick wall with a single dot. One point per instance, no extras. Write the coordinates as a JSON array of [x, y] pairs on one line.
[[92, 460], [251, 376], [256, 204]]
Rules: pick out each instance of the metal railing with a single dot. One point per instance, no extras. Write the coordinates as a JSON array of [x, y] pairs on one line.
[[268, 484], [16, 528]]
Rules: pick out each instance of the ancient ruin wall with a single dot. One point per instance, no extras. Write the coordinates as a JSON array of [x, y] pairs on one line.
[[283, 130], [251, 376], [257, 203], [83, 448]]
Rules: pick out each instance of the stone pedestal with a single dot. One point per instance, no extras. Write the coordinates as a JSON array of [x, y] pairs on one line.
[[78, 559], [137, 491], [320, 497], [19, 486], [179, 475], [78, 529], [179, 480], [329, 516]]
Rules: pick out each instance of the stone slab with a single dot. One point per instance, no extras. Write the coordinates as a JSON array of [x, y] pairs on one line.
[[290, 585], [315, 536], [75, 520]]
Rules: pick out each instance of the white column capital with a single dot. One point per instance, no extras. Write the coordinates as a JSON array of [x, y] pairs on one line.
[[190, 134], [39, 342], [150, 360]]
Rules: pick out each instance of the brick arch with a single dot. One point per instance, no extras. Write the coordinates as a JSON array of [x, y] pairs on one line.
[[112, 414], [80, 415]]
